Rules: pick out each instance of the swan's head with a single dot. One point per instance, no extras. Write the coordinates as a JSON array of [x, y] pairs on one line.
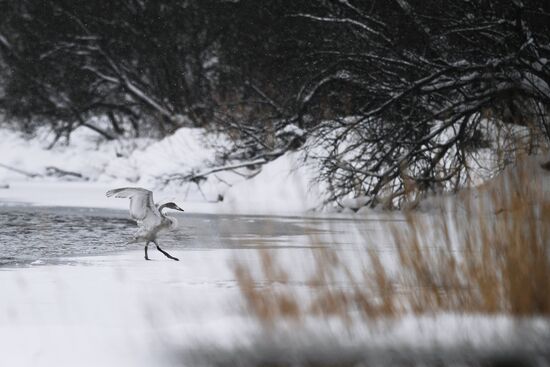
[[170, 205]]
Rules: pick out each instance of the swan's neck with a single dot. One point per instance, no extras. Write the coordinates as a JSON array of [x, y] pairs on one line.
[[170, 221], [161, 207]]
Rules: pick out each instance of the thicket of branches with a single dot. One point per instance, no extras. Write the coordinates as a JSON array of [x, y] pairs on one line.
[[399, 93]]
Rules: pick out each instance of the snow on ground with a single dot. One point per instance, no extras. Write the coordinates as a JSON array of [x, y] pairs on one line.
[[120, 310], [115, 310], [283, 186]]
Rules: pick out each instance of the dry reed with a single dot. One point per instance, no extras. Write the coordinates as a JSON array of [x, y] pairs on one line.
[[490, 256]]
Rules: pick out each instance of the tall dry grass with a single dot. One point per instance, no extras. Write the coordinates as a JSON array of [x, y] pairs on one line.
[[489, 254], [267, 303], [491, 257]]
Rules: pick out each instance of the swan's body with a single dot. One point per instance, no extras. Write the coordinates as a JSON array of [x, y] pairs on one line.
[[149, 217]]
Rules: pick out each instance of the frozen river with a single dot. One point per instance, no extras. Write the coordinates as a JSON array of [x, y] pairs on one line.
[[73, 293]]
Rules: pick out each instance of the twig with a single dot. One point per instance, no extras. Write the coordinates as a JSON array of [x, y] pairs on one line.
[[25, 173], [225, 168], [54, 171]]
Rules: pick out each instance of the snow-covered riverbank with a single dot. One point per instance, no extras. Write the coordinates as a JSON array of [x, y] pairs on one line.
[[80, 173]]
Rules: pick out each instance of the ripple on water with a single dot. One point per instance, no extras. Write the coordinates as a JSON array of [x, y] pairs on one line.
[[31, 236], [51, 235]]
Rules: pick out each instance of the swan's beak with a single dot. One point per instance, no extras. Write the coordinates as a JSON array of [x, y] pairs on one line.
[[178, 208]]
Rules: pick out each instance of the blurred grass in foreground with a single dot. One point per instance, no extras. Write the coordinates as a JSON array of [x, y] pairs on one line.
[[488, 253]]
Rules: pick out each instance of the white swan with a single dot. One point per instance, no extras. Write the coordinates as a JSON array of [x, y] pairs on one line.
[[149, 217]]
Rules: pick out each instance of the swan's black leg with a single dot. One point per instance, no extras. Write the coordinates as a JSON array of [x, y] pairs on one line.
[[146, 244], [165, 253]]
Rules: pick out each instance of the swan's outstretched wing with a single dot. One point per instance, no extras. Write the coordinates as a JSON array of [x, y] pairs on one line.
[[142, 207]]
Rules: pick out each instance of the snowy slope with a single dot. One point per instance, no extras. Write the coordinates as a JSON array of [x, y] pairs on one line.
[[283, 186]]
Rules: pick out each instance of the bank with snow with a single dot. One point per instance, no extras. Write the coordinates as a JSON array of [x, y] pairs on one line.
[[78, 174]]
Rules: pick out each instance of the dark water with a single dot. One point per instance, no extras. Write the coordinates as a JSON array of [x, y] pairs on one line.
[[49, 235]]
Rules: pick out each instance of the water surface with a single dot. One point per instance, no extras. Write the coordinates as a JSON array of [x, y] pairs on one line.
[[48, 235]]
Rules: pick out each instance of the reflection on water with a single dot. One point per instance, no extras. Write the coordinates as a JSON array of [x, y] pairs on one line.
[[48, 235]]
